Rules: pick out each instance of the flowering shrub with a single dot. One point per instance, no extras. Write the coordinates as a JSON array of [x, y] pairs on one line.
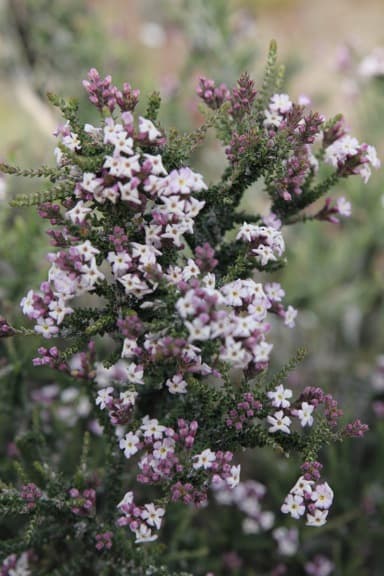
[[156, 296]]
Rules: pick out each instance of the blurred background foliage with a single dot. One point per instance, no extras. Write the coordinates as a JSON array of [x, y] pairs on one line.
[[335, 274]]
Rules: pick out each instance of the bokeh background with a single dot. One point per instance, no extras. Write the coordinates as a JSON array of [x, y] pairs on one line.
[[334, 54]]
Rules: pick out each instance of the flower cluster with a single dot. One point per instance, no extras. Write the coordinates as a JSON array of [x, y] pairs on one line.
[[280, 421], [15, 565], [287, 540], [140, 519], [319, 566], [310, 497], [82, 503], [247, 497], [350, 157], [30, 493], [144, 271], [245, 412], [266, 243]]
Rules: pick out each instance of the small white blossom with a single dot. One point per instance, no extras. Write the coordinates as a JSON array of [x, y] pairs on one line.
[[293, 505], [177, 385], [234, 479], [204, 460], [290, 316], [104, 396], [153, 515], [318, 518], [152, 428], [129, 443], [279, 422], [147, 127], [302, 486], [343, 207], [79, 213], [304, 414], [280, 396], [280, 103], [322, 496], [144, 534], [46, 327], [287, 540]]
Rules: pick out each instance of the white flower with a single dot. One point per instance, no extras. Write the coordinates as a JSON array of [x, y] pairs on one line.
[[21, 568], [272, 119], [280, 396], [79, 213], [147, 127], [126, 501], [152, 428], [318, 518], [233, 293], [261, 352], [152, 515], [104, 396], [46, 327], [371, 156], [192, 207], [134, 285], [129, 443], [129, 192], [279, 422], [197, 182], [304, 414], [204, 460], [71, 141], [120, 262], [250, 526], [198, 330], [280, 103], [177, 385], [258, 310], [244, 326], [90, 275], [91, 183], [146, 254], [290, 316], [135, 373], [293, 505], [322, 496], [287, 540], [87, 251], [128, 397], [247, 232], [302, 485], [233, 353], [191, 270], [129, 346], [173, 205], [340, 149], [27, 304], [144, 534], [343, 207], [111, 131], [59, 156], [234, 479], [91, 130], [156, 163], [163, 448], [266, 520], [122, 143], [58, 310], [264, 254]]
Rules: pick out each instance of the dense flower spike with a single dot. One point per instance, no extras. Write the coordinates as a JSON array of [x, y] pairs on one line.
[[143, 267]]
